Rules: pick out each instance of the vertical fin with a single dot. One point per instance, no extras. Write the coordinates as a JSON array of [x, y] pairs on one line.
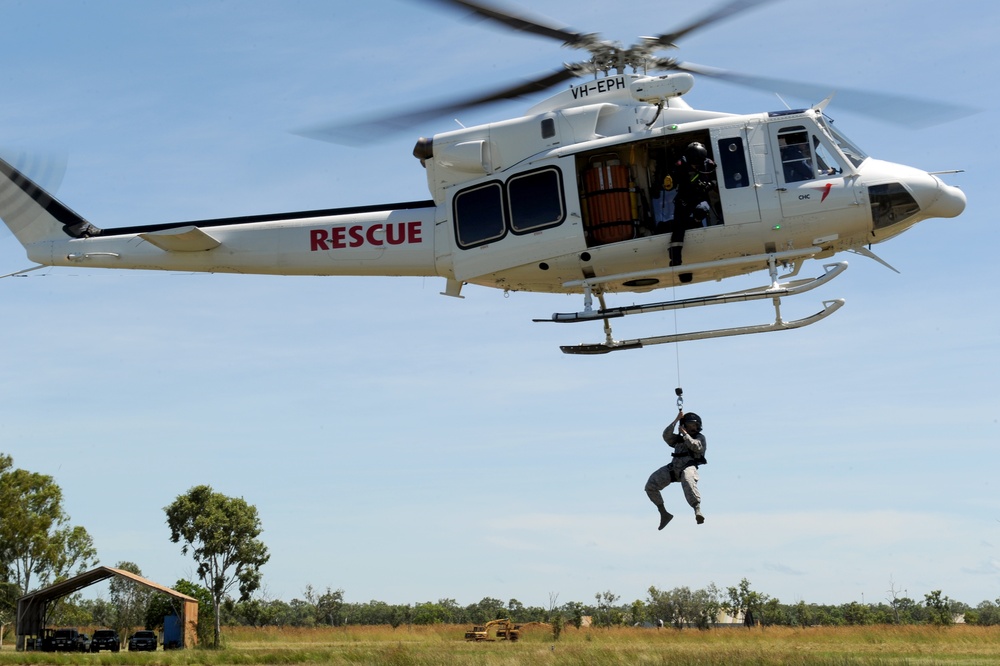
[[32, 213]]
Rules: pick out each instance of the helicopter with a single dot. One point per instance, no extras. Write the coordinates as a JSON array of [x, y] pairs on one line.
[[569, 198]]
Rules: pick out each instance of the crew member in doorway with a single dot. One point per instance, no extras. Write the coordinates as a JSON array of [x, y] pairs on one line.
[[694, 177], [689, 446]]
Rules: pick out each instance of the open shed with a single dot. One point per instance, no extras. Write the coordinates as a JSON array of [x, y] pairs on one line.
[[32, 608]]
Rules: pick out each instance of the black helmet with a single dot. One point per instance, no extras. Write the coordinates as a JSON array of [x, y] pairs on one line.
[[695, 153], [691, 419]]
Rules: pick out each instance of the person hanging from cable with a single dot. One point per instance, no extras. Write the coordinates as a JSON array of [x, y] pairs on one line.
[[689, 446]]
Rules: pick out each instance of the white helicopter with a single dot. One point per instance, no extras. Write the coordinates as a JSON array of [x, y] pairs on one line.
[[569, 198]]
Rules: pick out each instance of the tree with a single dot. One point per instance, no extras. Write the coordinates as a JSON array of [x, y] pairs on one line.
[[328, 607], [894, 600], [445, 611], [743, 600], [221, 534], [857, 614], [129, 600], [707, 606], [484, 610], [607, 614], [8, 606], [987, 613], [938, 607], [574, 609], [557, 626], [637, 612], [673, 607], [8, 591], [681, 607], [101, 613], [39, 546], [802, 615], [161, 605]]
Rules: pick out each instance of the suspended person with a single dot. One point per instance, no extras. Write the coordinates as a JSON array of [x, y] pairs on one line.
[[689, 446], [694, 177]]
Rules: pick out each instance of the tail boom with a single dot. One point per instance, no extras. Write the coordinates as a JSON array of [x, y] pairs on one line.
[[390, 239]]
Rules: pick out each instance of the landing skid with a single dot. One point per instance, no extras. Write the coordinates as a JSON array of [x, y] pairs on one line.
[[829, 307], [775, 292]]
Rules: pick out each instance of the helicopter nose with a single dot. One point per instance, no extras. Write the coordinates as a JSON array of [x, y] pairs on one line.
[[950, 201], [936, 199]]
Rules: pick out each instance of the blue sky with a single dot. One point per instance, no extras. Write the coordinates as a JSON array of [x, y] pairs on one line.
[[405, 446]]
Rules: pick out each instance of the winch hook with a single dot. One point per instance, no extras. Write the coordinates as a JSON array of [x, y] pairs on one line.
[[680, 398]]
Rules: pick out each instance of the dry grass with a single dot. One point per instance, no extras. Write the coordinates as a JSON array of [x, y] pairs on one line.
[[444, 644]]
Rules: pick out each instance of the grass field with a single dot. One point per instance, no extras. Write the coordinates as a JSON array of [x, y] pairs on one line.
[[444, 644]]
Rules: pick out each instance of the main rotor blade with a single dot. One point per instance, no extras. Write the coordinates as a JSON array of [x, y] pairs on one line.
[[367, 130], [902, 110], [669, 39], [523, 23]]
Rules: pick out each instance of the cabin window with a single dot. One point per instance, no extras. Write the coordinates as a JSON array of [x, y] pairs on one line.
[[527, 203], [734, 162], [796, 154], [479, 215], [548, 128], [535, 200]]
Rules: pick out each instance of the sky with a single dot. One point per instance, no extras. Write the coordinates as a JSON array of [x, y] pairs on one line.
[[408, 447]]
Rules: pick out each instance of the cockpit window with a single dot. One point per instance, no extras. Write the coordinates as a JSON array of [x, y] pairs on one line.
[[826, 163], [850, 150]]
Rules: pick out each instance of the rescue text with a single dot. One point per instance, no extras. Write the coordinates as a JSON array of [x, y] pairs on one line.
[[356, 235]]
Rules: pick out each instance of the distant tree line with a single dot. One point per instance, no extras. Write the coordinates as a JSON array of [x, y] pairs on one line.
[[679, 608]]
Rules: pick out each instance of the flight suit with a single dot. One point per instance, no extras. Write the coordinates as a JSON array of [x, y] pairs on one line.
[[689, 452], [694, 183]]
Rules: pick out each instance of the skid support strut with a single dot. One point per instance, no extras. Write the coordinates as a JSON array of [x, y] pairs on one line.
[[775, 292]]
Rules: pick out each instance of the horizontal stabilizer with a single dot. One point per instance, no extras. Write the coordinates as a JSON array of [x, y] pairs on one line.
[[181, 239]]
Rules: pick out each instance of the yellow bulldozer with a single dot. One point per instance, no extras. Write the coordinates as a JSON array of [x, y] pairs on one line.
[[505, 630]]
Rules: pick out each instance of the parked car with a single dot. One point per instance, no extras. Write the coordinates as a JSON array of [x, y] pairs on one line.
[[142, 640], [66, 640], [105, 639]]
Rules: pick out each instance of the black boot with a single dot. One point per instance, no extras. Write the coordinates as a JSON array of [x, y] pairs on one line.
[[665, 517], [675, 255]]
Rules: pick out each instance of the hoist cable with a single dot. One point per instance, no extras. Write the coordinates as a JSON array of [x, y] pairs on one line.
[[677, 355]]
